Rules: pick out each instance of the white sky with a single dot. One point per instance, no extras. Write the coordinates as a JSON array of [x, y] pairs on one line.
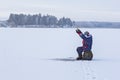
[[78, 10]]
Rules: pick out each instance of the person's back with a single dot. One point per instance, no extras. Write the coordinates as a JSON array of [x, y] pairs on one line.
[[87, 41]]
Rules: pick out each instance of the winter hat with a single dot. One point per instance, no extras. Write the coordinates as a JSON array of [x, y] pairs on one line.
[[86, 33]]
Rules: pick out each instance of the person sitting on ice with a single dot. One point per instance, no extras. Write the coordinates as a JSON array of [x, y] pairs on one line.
[[86, 47]]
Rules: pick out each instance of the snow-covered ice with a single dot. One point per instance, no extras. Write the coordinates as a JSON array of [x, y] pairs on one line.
[[41, 53]]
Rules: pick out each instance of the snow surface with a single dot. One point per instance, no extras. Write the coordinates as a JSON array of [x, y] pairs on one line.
[[42, 53]]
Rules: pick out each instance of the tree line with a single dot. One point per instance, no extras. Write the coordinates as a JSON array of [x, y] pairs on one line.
[[38, 19]]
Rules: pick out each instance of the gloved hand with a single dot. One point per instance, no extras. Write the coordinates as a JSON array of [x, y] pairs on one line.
[[78, 31]]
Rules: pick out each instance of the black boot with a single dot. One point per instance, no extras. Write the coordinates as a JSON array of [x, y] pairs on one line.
[[79, 57]]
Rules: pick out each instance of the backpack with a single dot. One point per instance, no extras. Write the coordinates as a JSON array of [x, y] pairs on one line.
[[87, 55]]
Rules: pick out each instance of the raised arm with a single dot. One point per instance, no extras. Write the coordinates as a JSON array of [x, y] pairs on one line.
[[78, 31]]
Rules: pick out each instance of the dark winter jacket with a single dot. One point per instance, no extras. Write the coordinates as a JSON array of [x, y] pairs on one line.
[[87, 42]]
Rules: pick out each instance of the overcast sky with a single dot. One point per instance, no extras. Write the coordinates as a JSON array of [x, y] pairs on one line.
[[78, 10]]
